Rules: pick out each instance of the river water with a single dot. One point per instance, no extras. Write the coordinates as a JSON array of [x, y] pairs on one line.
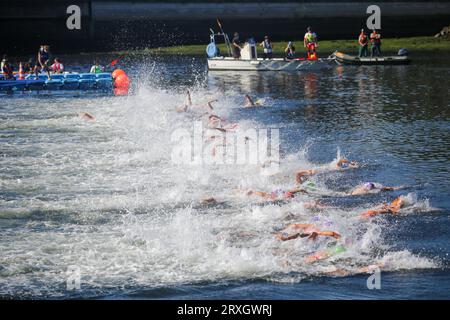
[[99, 209]]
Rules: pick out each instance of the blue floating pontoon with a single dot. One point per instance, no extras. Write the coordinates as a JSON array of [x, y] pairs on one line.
[[66, 81]]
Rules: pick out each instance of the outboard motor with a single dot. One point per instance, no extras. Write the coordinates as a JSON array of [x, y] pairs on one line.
[[403, 52], [249, 51]]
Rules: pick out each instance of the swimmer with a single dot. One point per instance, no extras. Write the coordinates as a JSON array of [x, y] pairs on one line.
[[303, 175], [315, 205], [209, 200], [216, 122], [369, 187], [343, 163], [86, 116], [277, 194], [248, 102], [392, 208], [324, 254], [306, 230], [189, 104]]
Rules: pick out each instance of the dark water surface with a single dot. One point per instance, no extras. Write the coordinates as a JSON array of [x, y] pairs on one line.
[[104, 198]]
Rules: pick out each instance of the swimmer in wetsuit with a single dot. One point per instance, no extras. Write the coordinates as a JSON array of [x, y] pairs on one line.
[[278, 194], [370, 187], [342, 163], [304, 230], [86, 116], [189, 105], [249, 103], [393, 208]]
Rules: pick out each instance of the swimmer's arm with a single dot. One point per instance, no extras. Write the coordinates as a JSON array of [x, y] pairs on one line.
[[284, 237], [329, 234], [299, 226], [258, 193], [298, 190], [189, 98], [182, 109], [390, 188]]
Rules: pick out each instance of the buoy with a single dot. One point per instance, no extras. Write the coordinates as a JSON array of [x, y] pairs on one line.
[[121, 85], [120, 91], [117, 73], [21, 76], [122, 81]]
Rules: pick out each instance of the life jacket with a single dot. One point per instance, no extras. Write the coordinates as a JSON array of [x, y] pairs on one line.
[[375, 38], [310, 37], [363, 38], [56, 67], [97, 69]]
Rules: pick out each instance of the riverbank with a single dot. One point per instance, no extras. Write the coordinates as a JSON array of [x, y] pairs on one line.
[[423, 44]]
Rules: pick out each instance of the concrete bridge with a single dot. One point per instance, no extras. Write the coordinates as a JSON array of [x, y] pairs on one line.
[[119, 24]]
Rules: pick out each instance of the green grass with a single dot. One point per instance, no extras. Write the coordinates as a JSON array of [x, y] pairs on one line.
[[424, 44]]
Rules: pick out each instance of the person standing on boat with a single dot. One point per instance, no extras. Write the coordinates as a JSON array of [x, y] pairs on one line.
[[375, 40], [290, 51], [268, 48], [96, 67], [363, 42], [310, 43], [237, 46], [43, 59]]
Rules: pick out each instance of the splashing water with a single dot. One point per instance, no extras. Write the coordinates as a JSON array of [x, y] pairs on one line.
[[106, 197]]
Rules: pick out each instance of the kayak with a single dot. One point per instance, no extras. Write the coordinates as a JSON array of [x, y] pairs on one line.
[[66, 81], [343, 58]]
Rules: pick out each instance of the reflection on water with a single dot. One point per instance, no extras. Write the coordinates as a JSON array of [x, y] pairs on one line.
[[105, 196]]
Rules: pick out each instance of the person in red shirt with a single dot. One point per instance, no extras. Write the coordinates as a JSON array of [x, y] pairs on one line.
[[57, 66], [363, 42]]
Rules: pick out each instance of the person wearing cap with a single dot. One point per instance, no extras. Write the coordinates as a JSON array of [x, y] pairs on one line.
[[375, 40], [363, 42], [290, 51], [267, 47], [237, 46]]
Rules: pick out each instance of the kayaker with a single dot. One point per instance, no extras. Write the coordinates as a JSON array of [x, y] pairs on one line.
[[43, 59], [290, 51], [237, 46], [375, 40], [310, 43], [7, 69], [363, 42], [57, 66], [267, 48], [96, 67]]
